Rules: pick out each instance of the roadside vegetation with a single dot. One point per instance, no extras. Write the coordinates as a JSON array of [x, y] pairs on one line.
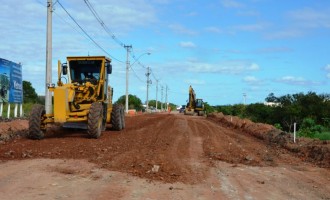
[[311, 113]]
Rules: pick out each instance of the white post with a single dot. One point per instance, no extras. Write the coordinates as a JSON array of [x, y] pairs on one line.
[[294, 132], [15, 110], [8, 111], [1, 109], [21, 110]]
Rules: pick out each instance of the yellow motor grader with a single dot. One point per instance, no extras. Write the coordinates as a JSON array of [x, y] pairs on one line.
[[83, 101], [194, 106]]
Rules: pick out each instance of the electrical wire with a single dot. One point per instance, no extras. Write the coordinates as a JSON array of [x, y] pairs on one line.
[[89, 37], [98, 18], [136, 59], [135, 74], [104, 26]]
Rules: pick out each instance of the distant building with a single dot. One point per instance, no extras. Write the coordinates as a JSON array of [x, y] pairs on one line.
[[272, 104]]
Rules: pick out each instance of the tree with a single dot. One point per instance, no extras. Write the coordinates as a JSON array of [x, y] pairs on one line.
[[208, 108], [271, 98], [133, 102], [29, 94]]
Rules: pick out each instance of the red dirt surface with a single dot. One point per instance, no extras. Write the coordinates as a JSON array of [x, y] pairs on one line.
[[166, 156]]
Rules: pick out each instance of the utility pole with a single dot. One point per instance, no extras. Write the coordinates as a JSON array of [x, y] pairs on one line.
[[148, 82], [48, 94], [128, 48], [166, 98], [156, 94], [161, 101]]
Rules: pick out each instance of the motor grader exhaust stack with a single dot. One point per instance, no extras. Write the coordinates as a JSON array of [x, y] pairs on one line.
[[83, 101], [194, 106]]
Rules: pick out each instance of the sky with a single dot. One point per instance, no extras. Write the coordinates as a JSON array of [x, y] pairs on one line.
[[224, 49]]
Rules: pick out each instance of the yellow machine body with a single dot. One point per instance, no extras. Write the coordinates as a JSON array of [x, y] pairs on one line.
[[194, 105], [73, 99]]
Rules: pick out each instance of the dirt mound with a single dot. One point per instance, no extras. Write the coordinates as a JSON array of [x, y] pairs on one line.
[[10, 129], [311, 150]]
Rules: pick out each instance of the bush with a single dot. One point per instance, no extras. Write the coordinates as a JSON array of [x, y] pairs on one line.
[[309, 128]]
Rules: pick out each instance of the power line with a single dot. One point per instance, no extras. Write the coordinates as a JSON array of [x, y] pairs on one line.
[[136, 60], [135, 74], [87, 33], [98, 18]]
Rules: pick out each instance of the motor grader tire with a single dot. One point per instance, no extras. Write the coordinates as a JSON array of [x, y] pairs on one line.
[[116, 117], [35, 122], [123, 117], [95, 120]]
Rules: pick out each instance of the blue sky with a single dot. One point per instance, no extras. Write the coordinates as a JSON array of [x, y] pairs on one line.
[[223, 48]]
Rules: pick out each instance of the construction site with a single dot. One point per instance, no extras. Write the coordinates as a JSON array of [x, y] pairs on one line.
[[164, 156], [193, 122]]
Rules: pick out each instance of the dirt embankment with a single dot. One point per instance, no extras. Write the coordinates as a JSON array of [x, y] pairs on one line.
[[10, 129], [311, 150]]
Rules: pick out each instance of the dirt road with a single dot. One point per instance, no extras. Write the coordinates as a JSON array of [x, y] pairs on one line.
[[157, 156]]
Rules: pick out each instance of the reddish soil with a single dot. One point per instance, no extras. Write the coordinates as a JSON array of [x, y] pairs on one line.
[[166, 156]]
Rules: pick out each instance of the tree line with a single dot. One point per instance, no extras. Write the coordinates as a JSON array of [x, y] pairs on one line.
[[310, 111]]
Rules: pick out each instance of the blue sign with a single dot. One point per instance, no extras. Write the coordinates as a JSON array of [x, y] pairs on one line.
[[11, 86]]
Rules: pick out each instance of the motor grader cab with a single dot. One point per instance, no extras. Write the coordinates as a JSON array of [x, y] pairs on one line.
[[194, 106], [83, 100]]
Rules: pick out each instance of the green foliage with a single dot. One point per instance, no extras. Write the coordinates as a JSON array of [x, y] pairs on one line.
[[133, 102], [278, 126], [309, 111], [29, 94], [323, 135], [153, 104], [208, 108], [26, 110], [309, 128]]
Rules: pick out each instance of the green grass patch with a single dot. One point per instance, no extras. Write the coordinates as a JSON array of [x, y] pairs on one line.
[[26, 110], [323, 135]]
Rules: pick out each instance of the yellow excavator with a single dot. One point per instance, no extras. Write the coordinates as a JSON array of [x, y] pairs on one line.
[[194, 106]]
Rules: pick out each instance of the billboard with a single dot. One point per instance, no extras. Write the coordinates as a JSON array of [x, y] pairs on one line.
[[11, 86]]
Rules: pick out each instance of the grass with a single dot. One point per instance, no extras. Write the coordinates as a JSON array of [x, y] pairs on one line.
[[323, 135], [26, 110]]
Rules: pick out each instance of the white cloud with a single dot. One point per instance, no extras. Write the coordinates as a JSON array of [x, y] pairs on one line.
[[213, 29], [226, 67], [284, 34], [177, 28], [311, 18], [187, 44], [274, 50], [250, 79], [254, 67], [293, 80], [231, 4], [250, 27], [327, 69]]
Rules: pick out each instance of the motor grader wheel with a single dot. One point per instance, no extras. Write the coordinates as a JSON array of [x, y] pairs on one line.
[[95, 120], [36, 118], [116, 117], [123, 117]]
